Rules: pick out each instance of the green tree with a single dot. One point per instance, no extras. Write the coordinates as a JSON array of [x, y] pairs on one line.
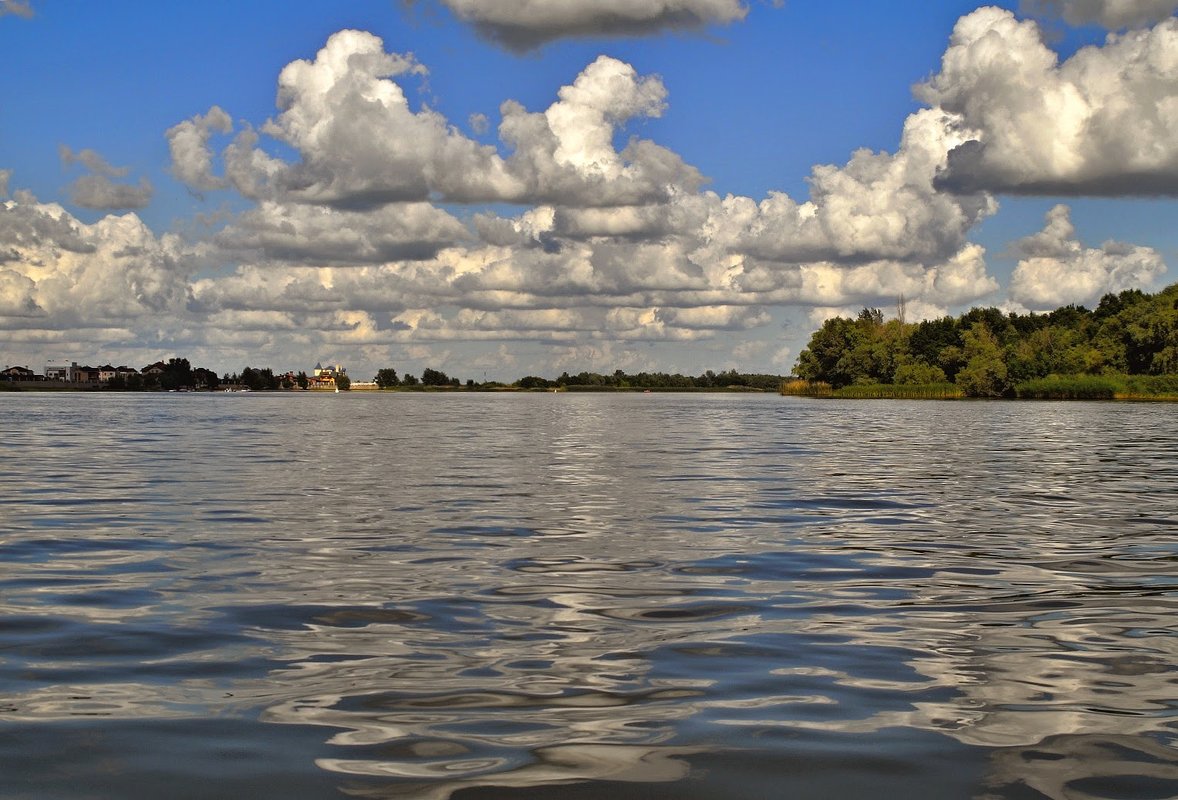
[[984, 373], [433, 377], [205, 378], [387, 378], [929, 339], [825, 357], [259, 380], [533, 382], [918, 373], [177, 374], [302, 380], [343, 382]]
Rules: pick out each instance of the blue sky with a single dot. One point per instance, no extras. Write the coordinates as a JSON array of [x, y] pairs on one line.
[[422, 235]]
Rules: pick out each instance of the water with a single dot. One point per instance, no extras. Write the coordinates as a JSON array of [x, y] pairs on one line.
[[583, 596]]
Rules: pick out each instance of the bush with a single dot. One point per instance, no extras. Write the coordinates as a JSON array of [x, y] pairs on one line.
[[1072, 387]]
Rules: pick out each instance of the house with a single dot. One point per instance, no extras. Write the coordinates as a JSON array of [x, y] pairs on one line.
[[158, 368], [85, 374], [18, 374], [329, 371], [106, 372], [60, 372]]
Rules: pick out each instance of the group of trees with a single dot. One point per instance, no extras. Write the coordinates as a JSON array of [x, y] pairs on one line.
[[618, 380], [655, 380], [178, 374], [987, 353], [263, 379], [387, 379]]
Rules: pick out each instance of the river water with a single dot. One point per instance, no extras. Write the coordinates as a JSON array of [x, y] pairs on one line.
[[583, 596]]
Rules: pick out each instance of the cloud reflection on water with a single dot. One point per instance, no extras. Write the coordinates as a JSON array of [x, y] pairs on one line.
[[606, 588]]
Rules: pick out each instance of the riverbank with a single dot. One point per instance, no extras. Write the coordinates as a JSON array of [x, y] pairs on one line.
[[61, 386], [1053, 387]]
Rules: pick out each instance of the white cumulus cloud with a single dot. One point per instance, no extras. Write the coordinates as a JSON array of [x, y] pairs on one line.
[[1056, 269], [188, 142], [61, 273], [361, 143], [1100, 123]]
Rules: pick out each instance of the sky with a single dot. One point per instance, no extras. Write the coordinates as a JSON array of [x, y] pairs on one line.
[[497, 189]]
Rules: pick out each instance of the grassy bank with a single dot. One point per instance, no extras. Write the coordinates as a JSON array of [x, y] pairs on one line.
[[874, 391], [1053, 387], [1100, 387]]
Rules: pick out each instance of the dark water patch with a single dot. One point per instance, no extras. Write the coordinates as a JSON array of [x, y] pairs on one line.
[[564, 565], [105, 598], [802, 565], [141, 759], [281, 616], [42, 550], [685, 613], [484, 530], [75, 641]]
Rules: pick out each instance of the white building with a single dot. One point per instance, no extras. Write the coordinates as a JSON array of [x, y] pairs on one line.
[[56, 371]]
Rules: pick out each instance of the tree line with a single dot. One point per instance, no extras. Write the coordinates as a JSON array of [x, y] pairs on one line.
[[180, 374], [988, 353], [618, 380]]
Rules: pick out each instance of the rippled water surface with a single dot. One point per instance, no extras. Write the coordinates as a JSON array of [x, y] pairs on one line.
[[582, 596]]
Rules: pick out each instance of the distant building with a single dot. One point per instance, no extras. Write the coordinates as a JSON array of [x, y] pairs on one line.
[[158, 368], [329, 371], [18, 374], [324, 377], [60, 372], [106, 372], [85, 374]]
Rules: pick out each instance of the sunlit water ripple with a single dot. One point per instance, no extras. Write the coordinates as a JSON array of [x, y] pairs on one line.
[[634, 596]]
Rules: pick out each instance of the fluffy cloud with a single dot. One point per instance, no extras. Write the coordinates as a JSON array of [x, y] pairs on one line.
[[100, 192], [1100, 123], [363, 146], [1111, 14], [877, 206], [5, 176], [61, 273], [566, 156], [97, 190], [615, 245], [192, 159], [528, 24], [324, 236], [1056, 269]]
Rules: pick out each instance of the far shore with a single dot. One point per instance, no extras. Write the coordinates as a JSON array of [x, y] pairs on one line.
[[63, 386]]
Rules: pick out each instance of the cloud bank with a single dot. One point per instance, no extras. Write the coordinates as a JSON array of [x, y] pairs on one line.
[[1111, 14], [369, 226]]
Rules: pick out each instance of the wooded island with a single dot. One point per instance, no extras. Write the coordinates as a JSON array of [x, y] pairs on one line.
[[1126, 348]]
